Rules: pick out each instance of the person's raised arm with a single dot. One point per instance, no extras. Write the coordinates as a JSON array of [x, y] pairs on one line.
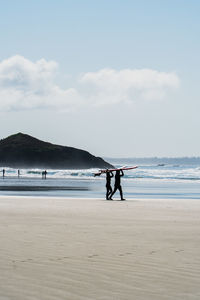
[[122, 173]]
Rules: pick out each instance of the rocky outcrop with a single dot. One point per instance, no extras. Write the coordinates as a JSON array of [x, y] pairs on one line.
[[24, 151]]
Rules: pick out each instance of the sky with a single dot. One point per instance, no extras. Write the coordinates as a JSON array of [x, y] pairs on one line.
[[118, 78]]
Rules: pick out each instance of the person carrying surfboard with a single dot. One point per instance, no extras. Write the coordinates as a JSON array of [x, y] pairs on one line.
[[118, 175], [109, 175]]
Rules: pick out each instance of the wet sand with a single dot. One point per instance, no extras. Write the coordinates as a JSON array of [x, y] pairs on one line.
[[100, 250]]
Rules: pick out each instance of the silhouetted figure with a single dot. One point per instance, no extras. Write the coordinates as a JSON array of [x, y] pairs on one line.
[[3, 171], [118, 175], [18, 173], [45, 174], [109, 175]]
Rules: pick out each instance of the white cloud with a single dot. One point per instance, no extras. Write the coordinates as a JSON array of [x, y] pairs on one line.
[[28, 85], [112, 86]]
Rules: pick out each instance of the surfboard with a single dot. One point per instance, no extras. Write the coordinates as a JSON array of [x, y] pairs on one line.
[[124, 168]]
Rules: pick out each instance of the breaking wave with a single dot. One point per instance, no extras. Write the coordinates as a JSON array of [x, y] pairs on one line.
[[151, 172]]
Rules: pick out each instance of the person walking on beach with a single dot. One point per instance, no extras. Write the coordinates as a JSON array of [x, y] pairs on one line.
[[18, 173], [45, 174], [3, 171], [118, 175], [109, 175]]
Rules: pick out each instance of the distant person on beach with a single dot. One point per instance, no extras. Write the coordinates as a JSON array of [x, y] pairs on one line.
[[118, 175], [109, 175], [44, 174], [3, 171], [18, 173]]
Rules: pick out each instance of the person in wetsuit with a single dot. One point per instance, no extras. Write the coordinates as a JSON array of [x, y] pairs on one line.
[[118, 175], [109, 175]]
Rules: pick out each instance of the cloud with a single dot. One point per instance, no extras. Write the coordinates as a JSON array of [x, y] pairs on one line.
[[26, 85], [112, 86]]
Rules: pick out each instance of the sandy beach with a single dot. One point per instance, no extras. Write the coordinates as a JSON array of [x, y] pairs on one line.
[[79, 249]]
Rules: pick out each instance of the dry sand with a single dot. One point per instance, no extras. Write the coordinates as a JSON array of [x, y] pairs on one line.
[[100, 250]]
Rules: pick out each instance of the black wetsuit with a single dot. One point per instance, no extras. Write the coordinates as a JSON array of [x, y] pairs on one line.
[[118, 184], [109, 175]]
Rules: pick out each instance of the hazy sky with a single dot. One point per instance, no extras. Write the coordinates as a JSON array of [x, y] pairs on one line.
[[118, 78]]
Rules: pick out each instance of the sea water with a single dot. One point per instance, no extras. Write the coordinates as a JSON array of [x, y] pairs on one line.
[[149, 180]]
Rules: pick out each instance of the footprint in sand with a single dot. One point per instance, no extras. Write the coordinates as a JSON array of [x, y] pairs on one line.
[[152, 252], [93, 255]]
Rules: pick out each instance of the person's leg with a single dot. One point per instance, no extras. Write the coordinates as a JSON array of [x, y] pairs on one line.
[[107, 192], [121, 193], [115, 188], [110, 191]]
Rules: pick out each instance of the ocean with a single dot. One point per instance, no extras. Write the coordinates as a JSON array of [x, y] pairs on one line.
[[154, 178]]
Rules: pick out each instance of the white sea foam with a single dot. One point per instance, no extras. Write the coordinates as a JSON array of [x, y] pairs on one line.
[[167, 172]]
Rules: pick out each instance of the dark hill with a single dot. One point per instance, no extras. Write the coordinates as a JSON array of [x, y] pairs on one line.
[[24, 151]]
